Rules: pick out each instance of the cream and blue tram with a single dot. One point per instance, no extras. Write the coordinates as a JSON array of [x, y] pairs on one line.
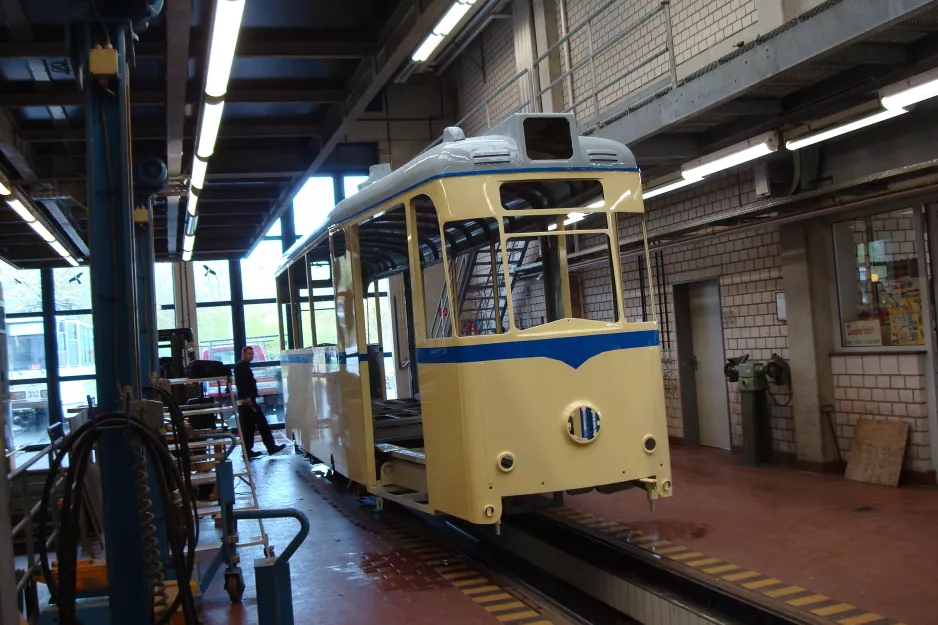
[[465, 282]]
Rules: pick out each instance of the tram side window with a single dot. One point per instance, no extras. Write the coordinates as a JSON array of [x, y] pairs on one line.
[[473, 247], [550, 294], [323, 302], [437, 302]]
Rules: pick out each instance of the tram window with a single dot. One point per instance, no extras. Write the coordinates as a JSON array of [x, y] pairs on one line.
[[473, 247], [551, 194], [437, 300], [548, 138], [550, 294]]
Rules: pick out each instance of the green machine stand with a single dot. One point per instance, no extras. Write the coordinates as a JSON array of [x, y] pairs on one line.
[[752, 381]]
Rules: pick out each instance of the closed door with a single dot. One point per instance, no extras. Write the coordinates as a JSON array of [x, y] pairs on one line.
[[707, 332]]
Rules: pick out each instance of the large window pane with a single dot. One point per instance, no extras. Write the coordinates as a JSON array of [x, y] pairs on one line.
[[72, 288], [878, 280], [30, 409], [26, 348], [216, 335], [74, 336], [350, 184], [75, 394], [257, 271], [274, 230], [262, 331], [22, 290], [270, 389], [312, 204], [211, 281]]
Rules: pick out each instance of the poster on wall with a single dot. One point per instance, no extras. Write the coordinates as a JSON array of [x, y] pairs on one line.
[[862, 333]]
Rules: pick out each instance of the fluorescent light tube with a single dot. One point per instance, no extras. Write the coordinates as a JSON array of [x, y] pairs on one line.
[[199, 167], [71, 261], [191, 226], [186, 255], [572, 218], [596, 204], [837, 131], [192, 203], [731, 156], [667, 188], [211, 120], [427, 47], [909, 91], [21, 210], [5, 188], [551, 227], [225, 31], [188, 242], [456, 12], [58, 247], [42, 231]]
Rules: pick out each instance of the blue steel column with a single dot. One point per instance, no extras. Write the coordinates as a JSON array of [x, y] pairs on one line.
[[110, 202]]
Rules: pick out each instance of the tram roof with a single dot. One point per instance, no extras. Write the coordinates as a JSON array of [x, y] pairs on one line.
[[512, 146]]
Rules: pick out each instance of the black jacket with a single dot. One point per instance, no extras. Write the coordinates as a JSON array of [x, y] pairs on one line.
[[244, 379]]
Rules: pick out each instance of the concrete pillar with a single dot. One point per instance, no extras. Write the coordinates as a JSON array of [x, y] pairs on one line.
[[525, 47], [546, 34], [811, 332], [184, 293]]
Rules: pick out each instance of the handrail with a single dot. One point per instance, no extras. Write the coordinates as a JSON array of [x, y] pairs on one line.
[[279, 513], [209, 437]]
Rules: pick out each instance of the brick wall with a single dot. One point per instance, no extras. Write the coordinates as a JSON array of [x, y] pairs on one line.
[[697, 26], [890, 387], [487, 64]]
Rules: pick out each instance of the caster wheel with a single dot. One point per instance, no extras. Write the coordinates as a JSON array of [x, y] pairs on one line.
[[234, 586], [269, 552]]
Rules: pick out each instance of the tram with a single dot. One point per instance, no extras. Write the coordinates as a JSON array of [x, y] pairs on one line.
[[454, 336]]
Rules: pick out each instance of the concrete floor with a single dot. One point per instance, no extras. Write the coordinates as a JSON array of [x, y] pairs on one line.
[[871, 546]]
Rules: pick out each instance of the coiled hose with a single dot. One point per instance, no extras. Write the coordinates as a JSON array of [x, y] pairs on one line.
[[173, 487]]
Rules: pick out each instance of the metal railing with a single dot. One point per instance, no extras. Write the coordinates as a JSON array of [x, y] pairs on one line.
[[607, 90], [26, 576]]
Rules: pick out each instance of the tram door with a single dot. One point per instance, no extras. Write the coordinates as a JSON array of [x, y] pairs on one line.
[[704, 398]]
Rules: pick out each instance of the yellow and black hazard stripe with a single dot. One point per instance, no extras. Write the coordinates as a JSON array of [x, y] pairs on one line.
[[488, 594], [770, 588]]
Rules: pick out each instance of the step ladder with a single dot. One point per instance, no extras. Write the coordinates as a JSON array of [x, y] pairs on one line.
[[213, 444]]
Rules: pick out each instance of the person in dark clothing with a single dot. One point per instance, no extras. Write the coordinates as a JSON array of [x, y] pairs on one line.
[[249, 413]]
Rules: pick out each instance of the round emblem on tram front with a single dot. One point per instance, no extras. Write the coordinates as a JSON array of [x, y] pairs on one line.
[[583, 424]]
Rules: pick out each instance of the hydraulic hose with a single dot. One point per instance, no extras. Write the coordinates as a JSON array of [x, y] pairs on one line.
[[180, 530]]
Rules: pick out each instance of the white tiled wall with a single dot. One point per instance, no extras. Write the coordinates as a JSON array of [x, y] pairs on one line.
[[883, 387]]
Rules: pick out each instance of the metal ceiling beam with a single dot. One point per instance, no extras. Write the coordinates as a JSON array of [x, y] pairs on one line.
[[252, 42], [406, 29], [230, 129], [178, 17], [16, 150], [324, 92], [67, 226], [826, 33], [869, 54], [213, 194], [668, 147]]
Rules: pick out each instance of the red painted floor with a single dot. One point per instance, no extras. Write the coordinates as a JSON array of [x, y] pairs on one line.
[[345, 572], [872, 546]]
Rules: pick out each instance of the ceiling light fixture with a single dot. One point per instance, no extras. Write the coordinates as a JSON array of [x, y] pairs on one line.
[[225, 31], [444, 27], [732, 156], [211, 120], [42, 231], [909, 91], [831, 126], [199, 167], [668, 187], [192, 202], [5, 188], [21, 210]]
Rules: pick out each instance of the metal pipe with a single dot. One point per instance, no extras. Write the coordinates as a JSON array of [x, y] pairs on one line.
[[641, 290]]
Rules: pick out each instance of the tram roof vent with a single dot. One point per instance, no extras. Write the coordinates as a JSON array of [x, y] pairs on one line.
[[491, 154], [603, 156], [376, 173]]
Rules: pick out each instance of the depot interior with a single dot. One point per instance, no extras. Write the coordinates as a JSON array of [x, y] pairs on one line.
[[790, 171]]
